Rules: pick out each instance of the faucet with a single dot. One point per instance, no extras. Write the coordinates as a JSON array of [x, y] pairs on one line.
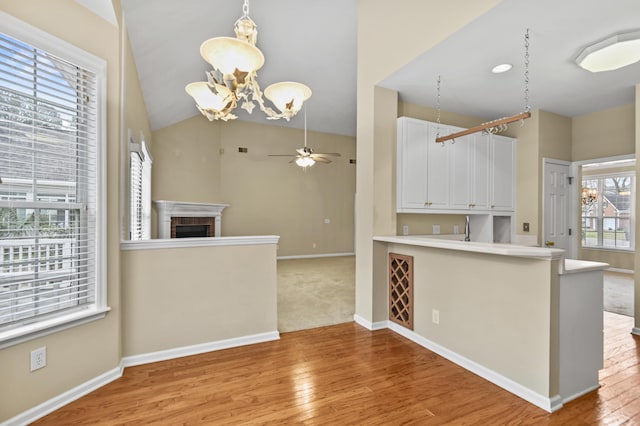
[[467, 230]]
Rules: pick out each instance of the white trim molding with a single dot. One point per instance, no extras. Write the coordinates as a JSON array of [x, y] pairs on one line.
[[47, 407], [164, 355], [373, 326], [199, 242], [79, 391], [549, 404], [636, 331], [314, 256]]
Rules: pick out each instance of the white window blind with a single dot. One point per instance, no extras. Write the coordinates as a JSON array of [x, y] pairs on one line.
[[140, 163], [49, 172]]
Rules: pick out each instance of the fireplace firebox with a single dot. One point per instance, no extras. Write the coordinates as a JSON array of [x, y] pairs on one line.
[[177, 219]]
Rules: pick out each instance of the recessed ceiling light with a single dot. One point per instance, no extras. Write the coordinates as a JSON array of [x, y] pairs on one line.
[[501, 68], [611, 53]]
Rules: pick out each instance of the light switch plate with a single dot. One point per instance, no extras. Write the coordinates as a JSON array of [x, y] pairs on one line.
[[436, 229]]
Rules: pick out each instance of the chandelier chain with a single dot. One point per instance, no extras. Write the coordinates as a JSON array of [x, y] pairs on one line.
[[527, 107], [245, 8], [438, 108]]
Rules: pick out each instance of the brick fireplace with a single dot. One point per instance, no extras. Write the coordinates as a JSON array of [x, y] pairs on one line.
[[178, 219]]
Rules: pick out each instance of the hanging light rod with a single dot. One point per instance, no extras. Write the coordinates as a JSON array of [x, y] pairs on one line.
[[500, 124], [485, 126]]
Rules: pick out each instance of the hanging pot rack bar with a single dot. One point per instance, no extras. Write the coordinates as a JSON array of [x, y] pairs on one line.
[[484, 126]]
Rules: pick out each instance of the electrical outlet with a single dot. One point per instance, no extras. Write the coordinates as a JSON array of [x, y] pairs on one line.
[[314, 245], [435, 316], [327, 220], [456, 229], [405, 229], [436, 229], [38, 358]]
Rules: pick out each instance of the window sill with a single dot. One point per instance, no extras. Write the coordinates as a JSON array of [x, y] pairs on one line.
[[621, 250], [50, 326]]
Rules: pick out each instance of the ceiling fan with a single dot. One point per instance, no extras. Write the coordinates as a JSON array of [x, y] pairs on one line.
[[306, 156]]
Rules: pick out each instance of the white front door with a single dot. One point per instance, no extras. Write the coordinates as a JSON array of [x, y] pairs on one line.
[[556, 203]]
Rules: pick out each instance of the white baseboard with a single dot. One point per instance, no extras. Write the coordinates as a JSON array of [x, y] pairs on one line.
[[368, 324], [636, 331], [549, 404], [314, 256], [65, 398], [164, 355]]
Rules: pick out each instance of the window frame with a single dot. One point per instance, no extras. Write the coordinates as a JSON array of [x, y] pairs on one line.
[[24, 32], [600, 216], [140, 167]]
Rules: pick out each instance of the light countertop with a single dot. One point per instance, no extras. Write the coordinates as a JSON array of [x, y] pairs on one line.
[[453, 243]]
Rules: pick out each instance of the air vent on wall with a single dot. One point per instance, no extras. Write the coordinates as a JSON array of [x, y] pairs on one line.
[[242, 149], [352, 161]]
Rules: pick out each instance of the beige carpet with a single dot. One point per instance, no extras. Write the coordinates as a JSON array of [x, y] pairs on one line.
[[315, 292], [618, 293]]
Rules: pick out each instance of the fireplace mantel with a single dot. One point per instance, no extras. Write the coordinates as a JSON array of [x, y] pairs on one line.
[[170, 209]]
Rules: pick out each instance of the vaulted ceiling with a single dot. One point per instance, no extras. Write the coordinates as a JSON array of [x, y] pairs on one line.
[[314, 42]]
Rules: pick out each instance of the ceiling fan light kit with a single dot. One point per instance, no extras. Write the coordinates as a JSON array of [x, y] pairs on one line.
[[305, 156], [611, 53], [233, 80]]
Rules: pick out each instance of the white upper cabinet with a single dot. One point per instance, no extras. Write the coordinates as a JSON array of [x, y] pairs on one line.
[[412, 164], [469, 172], [475, 173], [423, 167], [503, 173]]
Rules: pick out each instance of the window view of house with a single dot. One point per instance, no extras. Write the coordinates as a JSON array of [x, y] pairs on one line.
[[608, 197]]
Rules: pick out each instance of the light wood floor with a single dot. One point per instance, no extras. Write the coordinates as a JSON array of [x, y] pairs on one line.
[[342, 375]]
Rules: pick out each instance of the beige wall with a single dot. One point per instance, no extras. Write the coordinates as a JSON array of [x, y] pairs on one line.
[[267, 195], [174, 298], [135, 120], [404, 37], [604, 134], [81, 353], [473, 303], [186, 162]]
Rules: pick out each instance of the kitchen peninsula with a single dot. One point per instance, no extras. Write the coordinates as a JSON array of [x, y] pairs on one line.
[[524, 318]]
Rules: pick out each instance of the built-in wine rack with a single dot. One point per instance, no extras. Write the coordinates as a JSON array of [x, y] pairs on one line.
[[401, 289]]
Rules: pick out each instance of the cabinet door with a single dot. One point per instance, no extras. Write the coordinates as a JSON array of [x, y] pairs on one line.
[[480, 172], [503, 171], [412, 163], [437, 169], [461, 172]]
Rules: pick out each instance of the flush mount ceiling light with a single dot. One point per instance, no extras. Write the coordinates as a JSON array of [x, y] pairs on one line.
[[233, 79], [611, 53], [498, 69]]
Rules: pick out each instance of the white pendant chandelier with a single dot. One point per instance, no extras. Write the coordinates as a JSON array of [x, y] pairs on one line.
[[233, 79]]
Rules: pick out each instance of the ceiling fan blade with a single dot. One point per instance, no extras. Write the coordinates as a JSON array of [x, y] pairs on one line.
[[321, 159], [301, 151], [327, 154], [282, 155]]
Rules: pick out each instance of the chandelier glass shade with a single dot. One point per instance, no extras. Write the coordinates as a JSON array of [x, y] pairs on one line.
[[233, 80]]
